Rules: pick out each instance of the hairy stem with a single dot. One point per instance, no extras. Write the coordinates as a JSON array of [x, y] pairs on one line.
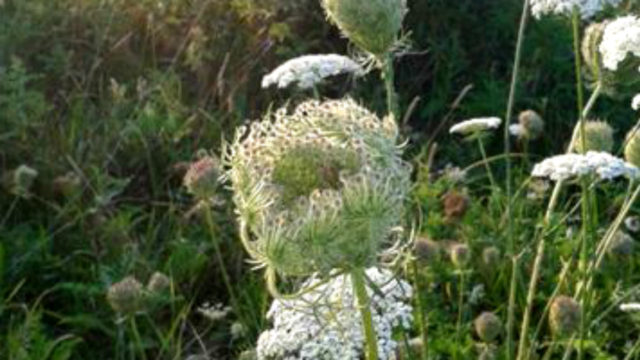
[[360, 290], [388, 75], [422, 319]]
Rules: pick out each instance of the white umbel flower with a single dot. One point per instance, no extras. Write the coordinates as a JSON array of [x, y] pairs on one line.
[[601, 164], [635, 103], [325, 322], [309, 70], [587, 8], [620, 37], [630, 307], [471, 126]]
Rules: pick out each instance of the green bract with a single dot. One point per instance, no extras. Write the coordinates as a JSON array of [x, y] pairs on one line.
[[373, 25], [632, 148], [319, 188], [598, 137]]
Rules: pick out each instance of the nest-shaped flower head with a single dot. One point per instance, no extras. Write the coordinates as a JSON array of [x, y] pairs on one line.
[[372, 25], [320, 188], [598, 136]]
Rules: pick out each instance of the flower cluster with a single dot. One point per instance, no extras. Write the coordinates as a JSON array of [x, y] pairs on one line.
[[325, 323], [471, 126], [620, 37], [603, 165], [587, 8], [310, 70], [317, 189]]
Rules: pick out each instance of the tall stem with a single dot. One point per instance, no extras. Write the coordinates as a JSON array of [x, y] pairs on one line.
[[512, 307], [483, 152], [388, 75], [360, 290], [510, 103], [422, 319], [460, 312]]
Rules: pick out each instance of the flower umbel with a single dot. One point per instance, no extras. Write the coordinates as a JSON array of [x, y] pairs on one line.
[[471, 126], [600, 164], [586, 8], [621, 37], [317, 189], [310, 70]]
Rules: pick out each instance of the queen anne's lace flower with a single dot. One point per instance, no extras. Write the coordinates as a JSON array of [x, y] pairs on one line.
[[475, 125], [603, 165], [621, 37], [309, 70], [320, 188], [587, 8], [635, 103], [325, 322], [516, 130]]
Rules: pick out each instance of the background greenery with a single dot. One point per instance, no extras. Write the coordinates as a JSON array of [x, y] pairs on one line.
[[123, 94]]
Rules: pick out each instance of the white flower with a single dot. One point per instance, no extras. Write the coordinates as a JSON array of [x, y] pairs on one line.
[[587, 8], [309, 70], [632, 223], [475, 125], [620, 37], [325, 323], [215, 312], [630, 307], [516, 130], [635, 103], [603, 165]]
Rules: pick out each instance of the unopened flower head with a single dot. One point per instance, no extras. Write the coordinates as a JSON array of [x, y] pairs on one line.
[[491, 257], [632, 223], [159, 283], [564, 316], [201, 180], [310, 70], [586, 8], [372, 25], [460, 255], [530, 124], [214, 312], [632, 147], [621, 38], [68, 185], [125, 296], [426, 250], [598, 136], [603, 166], [488, 326], [325, 322], [320, 188], [472, 126]]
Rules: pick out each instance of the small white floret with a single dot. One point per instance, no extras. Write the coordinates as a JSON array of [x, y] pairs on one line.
[[309, 70], [630, 307], [635, 103]]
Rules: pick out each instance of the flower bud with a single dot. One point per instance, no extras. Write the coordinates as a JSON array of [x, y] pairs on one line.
[[67, 186], [125, 296], [491, 256], [20, 180], [598, 137], [372, 25], [564, 316], [531, 124], [426, 250], [455, 205], [488, 326], [632, 148], [201, 180], [460, 255], [159, 283]]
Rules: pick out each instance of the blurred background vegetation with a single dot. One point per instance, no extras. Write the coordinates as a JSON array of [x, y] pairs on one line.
[[110, 99]]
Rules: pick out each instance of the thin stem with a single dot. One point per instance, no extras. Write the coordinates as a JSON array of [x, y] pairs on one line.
[[522, 347], [510, 104], [389, 82], [512, 307], [460, 311], [486, 162], [422, 319], [359, 288], [575, 22], [137, 338]]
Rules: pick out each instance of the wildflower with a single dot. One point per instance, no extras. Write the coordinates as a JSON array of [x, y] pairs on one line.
[[622, 245], [201, 180], [125, 296], [488, 326], [426, 250], [477, 294], [632, 223], [537, 189], [600, 164], [598, 136], [453, 174], [310, 70], [320, 188], [632, 147], [586, 8], [472, 126], [630, 307], [159, 283], [20, 180], [460, 255], [214, 312], [372, 25], [621, 37], [455, 205], [325, 322], [564, 315]]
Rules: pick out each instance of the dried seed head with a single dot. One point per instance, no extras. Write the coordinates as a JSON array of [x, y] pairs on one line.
[[488, 326], [531, 123], [460, 255], [590, 46], [598, 137], [426, 250], [125, 296], [159, 283], [632, 148], [20, 180], [68, 185], [491, 256], [622, 245], [201, 180], [564, 316], [372, 25], [455, 205]]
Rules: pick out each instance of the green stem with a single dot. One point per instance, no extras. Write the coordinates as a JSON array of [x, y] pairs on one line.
[[522, 347], [485, 160], [422, 319], [360, 290], [512, 307], [510, 105], [388, 75], [460, 311], [137, 338], [575, 22]]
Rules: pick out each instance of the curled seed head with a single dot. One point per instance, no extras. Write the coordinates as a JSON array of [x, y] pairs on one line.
[[491, 256], [564, 316], [532, 124], [201, 180], [488, 326], [426, 250], [632, 148], [598, 136], [20, 180], [460, 255], [159, 283], [455, 204], [125, 296]]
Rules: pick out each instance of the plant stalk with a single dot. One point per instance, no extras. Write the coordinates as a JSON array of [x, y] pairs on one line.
[[360, 290]]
